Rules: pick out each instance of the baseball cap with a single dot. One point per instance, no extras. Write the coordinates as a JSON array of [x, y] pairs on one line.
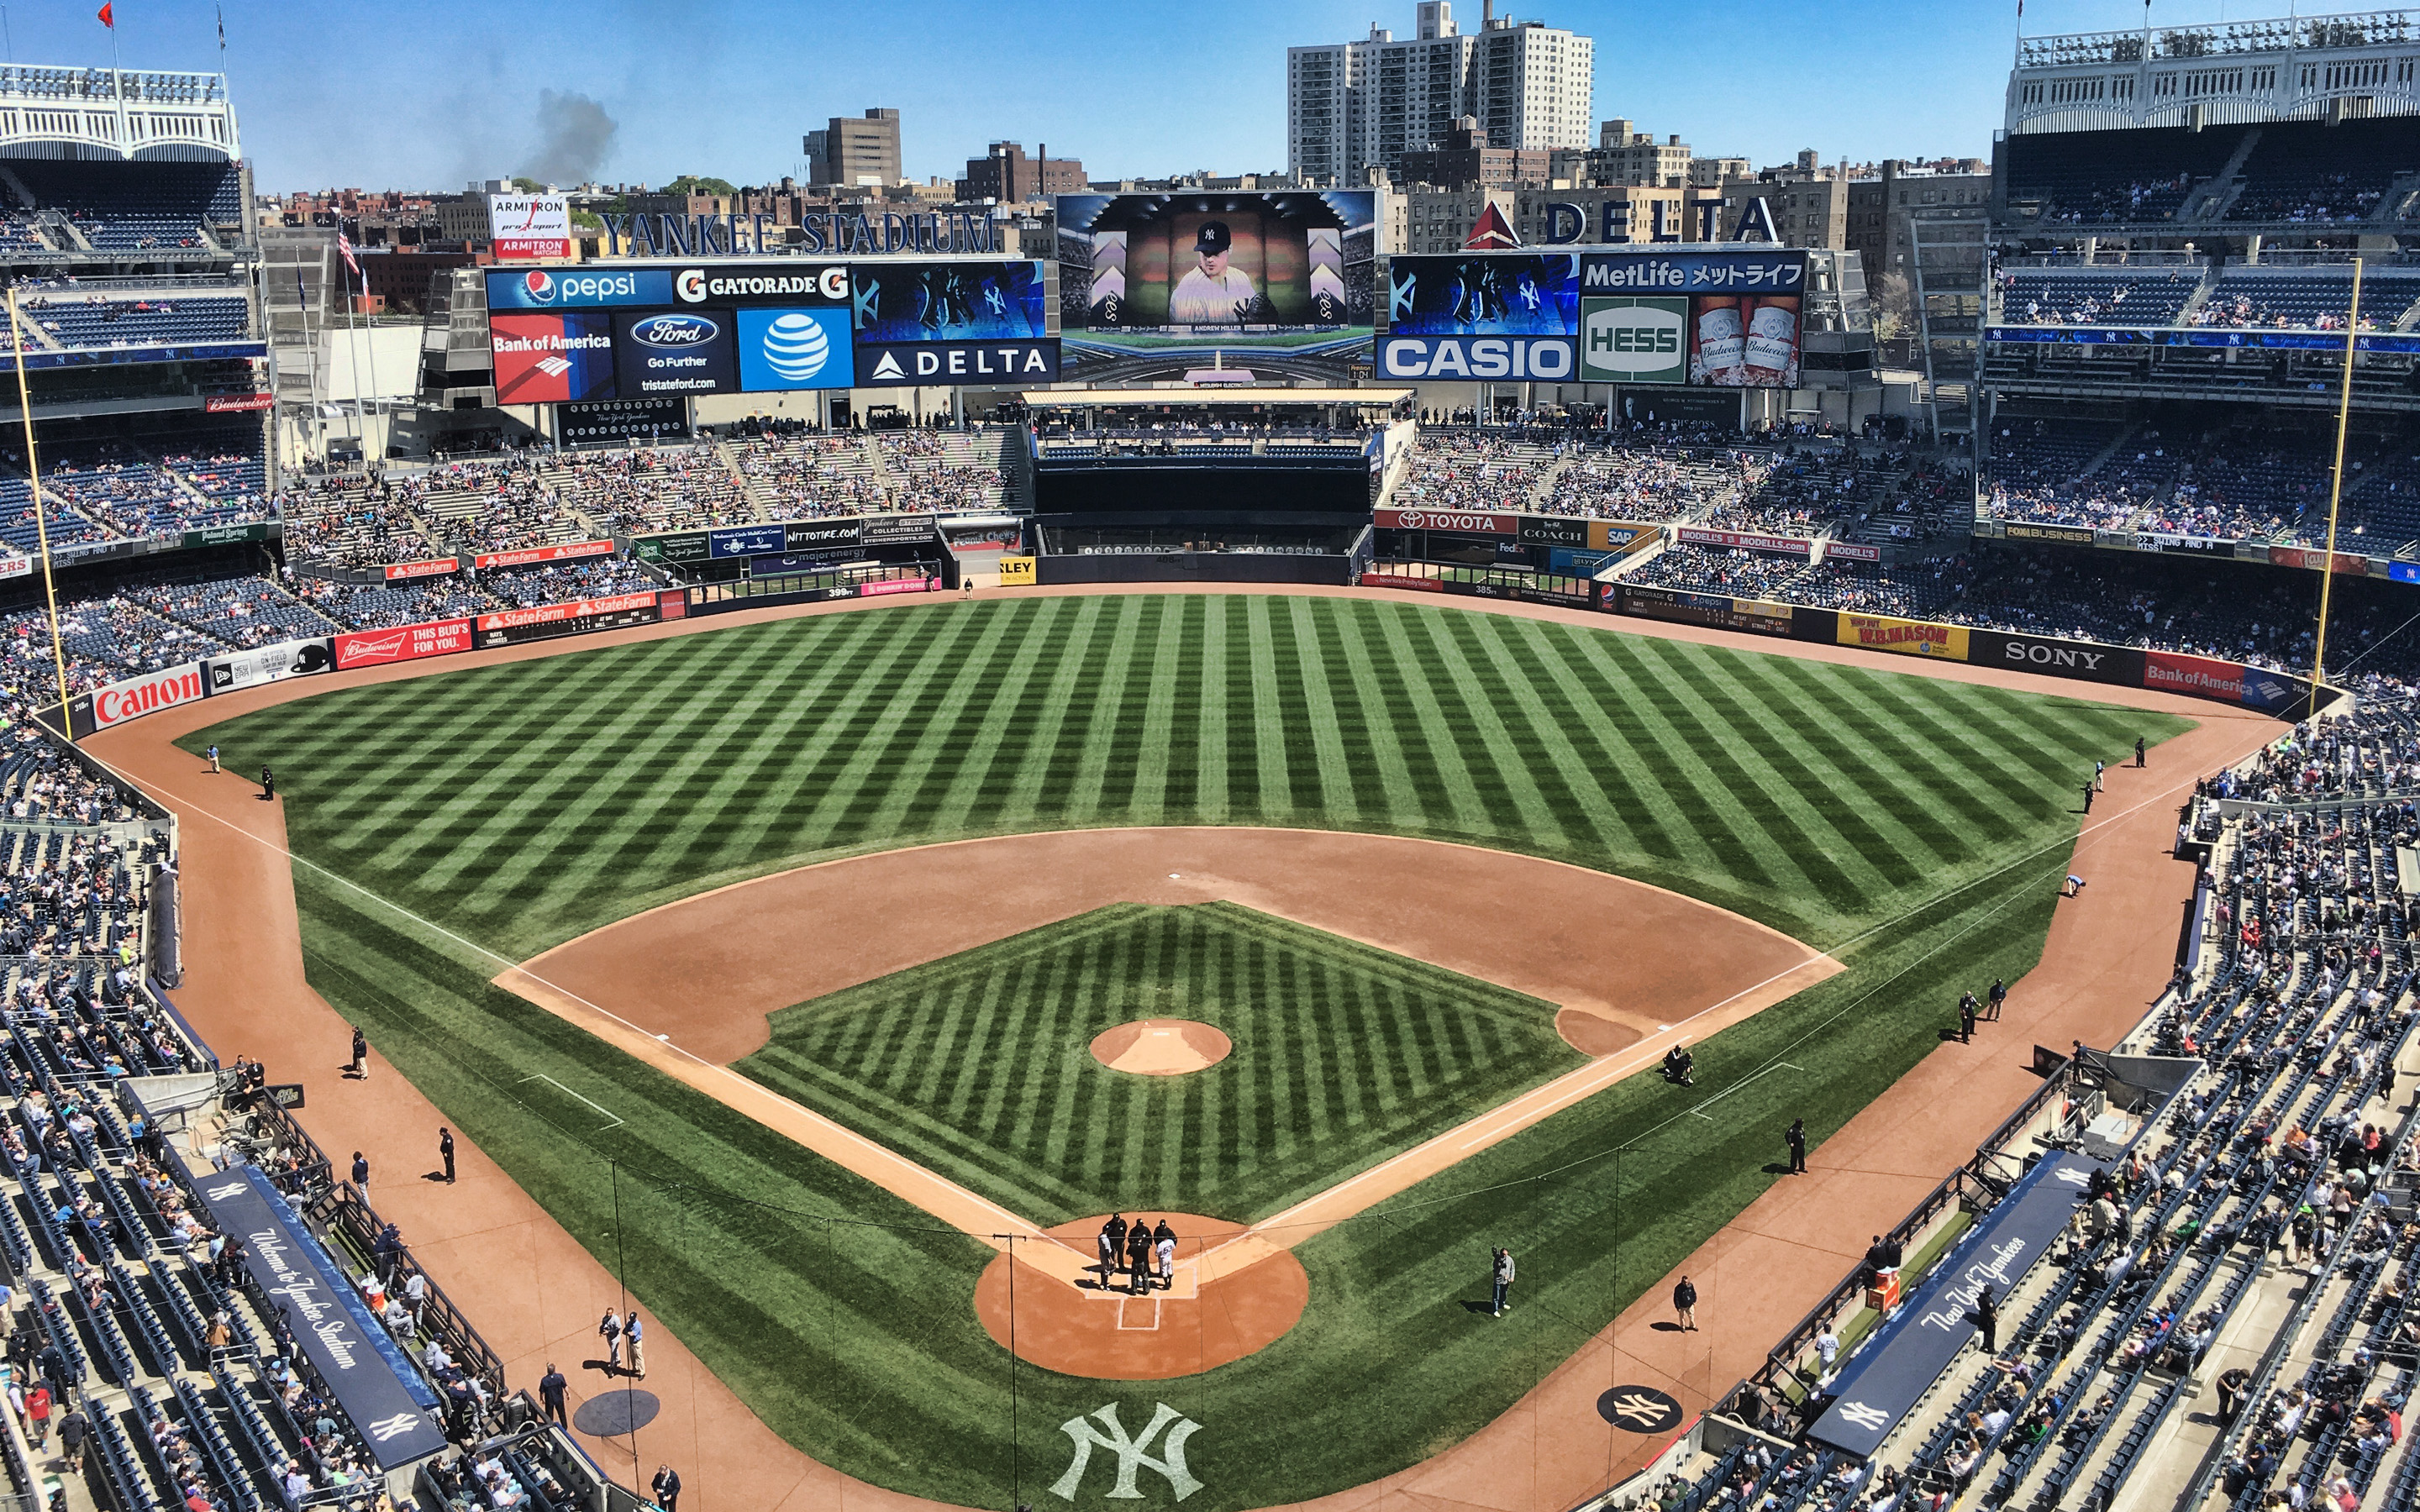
[[1213, 236]]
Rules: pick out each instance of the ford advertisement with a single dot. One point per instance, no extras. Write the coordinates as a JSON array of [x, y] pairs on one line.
[[676, 351]]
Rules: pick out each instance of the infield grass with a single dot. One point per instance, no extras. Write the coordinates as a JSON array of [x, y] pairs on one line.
[[979, 1064], [1916, 828]]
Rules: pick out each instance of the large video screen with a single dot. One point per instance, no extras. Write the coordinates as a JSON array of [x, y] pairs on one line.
[[1727, 320], [577, 335], [1484, 294], [1144, 271]]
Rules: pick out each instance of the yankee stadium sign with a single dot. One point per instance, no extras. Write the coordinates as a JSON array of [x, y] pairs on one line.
[[853, 232]]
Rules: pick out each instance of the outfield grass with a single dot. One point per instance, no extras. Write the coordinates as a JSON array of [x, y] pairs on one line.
[[977, 1065], [1915, 828]]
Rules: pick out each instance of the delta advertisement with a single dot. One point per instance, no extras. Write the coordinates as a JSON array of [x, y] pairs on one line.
[[1290, 271], [522, 228], [1501, 315], [1725, 320], [654, 335]]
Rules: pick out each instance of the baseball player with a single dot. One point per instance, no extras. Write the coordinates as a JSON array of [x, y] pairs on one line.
[[1213, 294]]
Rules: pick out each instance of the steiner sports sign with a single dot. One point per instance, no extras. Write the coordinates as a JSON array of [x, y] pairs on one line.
[[1470, 522]]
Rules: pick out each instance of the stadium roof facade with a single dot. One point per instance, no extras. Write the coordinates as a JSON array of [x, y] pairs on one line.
[[48, 112], [2304, 68]]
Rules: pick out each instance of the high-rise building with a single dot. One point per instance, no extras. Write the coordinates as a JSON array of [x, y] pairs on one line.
[[854, 150], [1351, 107], [1005, 174]]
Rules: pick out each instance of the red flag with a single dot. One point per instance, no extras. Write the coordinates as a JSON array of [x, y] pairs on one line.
[[108, 16]]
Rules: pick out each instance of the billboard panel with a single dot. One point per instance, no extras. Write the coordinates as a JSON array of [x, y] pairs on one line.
[[522, 226], [613, 420], [914, 301], [970, 363], [1289, 270], [1906, 638], [268, 664], [551, 358], [514, 626], [1545, 357], [577, 288], [531, 556], [1484, 294], [674, 352], [1737, 313], [789, 348], [410, 643], [137, 696]]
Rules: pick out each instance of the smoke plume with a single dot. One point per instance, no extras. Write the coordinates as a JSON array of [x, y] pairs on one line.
[[574, 136]]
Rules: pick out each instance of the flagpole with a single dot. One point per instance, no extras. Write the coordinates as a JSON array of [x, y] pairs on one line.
[[118, 83], [364, 275], [41, 521], [354, 344]]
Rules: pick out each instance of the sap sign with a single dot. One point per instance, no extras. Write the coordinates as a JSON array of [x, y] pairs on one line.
[[1547, 358], [1634, 341], [557, 288], [793, 349]]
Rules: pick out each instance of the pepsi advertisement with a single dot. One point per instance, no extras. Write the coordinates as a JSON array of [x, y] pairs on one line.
[[561, 288], [674, 352]]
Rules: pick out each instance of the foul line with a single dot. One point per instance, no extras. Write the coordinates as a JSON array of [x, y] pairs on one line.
[[541, 1076]]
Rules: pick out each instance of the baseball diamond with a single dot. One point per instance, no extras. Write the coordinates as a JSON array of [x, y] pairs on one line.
[[447, 828]]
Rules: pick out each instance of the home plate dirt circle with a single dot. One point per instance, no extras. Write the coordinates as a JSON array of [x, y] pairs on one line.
[[1230, 1299], [1161, 1048]]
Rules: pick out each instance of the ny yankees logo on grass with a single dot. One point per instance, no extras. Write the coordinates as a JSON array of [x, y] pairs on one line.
[[1132, 1454]]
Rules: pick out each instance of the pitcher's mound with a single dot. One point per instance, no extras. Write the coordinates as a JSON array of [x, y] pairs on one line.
[[1161, 1048]]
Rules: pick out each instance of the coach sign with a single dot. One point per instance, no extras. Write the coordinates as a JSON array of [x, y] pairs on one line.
[[385, 1397], [1908, 1353]]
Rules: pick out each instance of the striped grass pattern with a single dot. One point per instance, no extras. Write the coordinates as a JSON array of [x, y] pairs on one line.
[[1867, 813], [526, 803], [979, 1064]]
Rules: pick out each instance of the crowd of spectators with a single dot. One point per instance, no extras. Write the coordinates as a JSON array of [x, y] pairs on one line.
[[1716, 570]]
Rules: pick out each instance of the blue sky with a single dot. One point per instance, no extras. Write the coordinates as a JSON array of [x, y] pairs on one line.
[[431, 93]]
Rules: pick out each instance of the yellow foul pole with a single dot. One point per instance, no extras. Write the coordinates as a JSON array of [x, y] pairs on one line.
[[41, 519]]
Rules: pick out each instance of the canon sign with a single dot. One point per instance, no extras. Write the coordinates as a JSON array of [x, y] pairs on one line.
[[137, 696]]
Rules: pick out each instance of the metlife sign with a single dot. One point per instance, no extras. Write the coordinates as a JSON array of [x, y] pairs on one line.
[[1484, 358], [957, 363]]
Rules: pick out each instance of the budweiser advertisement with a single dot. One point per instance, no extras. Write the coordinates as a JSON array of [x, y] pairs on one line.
[[410, 643], [1467, 521], [120, 701], [571, 552], [514, 626], [236, 404]]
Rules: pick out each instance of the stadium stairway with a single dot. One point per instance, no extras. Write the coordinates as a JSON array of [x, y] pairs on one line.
[[757, 503]]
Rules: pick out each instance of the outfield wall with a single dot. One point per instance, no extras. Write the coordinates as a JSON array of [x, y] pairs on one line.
[[2228, 682]]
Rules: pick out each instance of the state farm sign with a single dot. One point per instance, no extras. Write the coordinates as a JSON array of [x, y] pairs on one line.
[[1469, 521], [137, 696]]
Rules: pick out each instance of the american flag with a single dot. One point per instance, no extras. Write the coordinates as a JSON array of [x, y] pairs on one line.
[[345, 245]]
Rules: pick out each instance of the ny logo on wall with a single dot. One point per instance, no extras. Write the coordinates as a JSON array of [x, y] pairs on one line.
[[1133, 1453]]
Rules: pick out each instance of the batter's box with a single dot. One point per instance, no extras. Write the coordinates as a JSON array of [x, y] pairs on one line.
[[1133, 1319]]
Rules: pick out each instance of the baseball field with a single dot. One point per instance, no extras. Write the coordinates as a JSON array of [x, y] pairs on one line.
[[448, 827]]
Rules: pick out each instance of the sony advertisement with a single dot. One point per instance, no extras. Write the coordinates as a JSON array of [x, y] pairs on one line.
[[1480, 315], [1725, 320], [1292, 270]]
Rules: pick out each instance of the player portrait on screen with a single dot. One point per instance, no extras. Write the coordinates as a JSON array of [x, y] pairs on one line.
[[1213, 293]]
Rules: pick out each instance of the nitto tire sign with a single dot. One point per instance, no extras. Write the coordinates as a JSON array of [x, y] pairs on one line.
[[1484, 358]]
